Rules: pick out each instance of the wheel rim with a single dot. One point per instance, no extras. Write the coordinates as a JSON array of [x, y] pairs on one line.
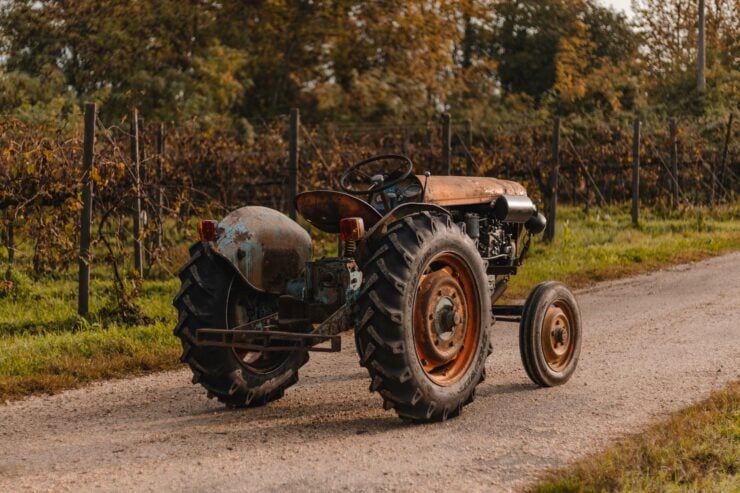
[[446, 319], [558, 341], [241, 301]]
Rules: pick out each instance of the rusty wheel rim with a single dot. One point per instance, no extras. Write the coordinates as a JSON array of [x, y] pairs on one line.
[[446, 319], [558, 342]]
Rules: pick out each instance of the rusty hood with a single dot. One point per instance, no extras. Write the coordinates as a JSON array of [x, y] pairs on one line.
[[448, 191]]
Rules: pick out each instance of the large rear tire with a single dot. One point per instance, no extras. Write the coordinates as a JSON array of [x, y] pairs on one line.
[[424, 317], [213, 295]]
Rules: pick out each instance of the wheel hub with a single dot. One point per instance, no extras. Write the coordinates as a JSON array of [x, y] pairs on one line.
[[556, 338], [442, 321]]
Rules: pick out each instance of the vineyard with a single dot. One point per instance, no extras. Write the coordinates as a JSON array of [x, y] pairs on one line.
[[186, 171], [176, 174]]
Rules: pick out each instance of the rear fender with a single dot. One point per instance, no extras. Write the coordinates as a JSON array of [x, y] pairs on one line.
[[266, 247], [381, 227]]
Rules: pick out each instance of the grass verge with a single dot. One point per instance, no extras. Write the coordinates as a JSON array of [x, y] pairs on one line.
[[603, 245], [45, 346], [697, 449]]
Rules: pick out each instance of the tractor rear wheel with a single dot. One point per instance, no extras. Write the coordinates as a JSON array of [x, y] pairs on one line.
[[213, 295], [550, 334], [424, 317]]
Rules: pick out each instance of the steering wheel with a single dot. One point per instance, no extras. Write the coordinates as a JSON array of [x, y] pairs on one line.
[[376, 182]]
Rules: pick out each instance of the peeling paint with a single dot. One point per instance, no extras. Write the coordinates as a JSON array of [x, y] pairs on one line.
[[265, 246]]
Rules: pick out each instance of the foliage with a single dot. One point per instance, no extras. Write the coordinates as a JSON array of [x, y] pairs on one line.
[[669, 32], [350, 61]]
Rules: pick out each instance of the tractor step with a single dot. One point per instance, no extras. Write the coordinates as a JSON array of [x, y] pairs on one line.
[[268, 340]]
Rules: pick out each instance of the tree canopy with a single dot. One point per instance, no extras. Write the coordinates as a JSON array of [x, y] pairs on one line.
[[355, 60]]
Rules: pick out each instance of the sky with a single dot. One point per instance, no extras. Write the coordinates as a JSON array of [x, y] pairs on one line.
[[623, 5]]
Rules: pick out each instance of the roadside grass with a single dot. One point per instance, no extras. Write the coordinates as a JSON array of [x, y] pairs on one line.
[[697, 449], [603, 245], [46, 347]]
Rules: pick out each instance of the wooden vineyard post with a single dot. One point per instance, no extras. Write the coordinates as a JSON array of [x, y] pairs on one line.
[[83, 286], [469, 145], [160, 191], [447, 143], [293, 153], [135, 162], [636, 172], [723, 165], [674, 161], [551, 196]]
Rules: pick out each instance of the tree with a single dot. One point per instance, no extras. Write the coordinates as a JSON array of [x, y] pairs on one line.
[[123, 53], [555, 50], [668, 31]]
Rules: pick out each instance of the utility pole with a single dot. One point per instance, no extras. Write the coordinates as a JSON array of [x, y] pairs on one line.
[[701, 83]]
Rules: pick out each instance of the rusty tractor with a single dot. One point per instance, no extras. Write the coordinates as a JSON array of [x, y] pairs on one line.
[[422, 262]]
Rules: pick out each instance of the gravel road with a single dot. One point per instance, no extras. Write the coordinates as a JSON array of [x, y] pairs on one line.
[[652, 344]]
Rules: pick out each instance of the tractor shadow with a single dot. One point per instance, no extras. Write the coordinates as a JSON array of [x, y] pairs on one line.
[[359, 413], [505, 389], [292, 416]]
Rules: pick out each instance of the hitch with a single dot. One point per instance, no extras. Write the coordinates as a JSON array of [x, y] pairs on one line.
[[262, 340], [292, 334]]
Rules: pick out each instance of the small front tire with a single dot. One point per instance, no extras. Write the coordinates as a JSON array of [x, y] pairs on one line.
[[550, 334]]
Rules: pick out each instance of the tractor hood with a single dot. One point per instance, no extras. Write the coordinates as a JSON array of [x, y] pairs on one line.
[[448, 191]]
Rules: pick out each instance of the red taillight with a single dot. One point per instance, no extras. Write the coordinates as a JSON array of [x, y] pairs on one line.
[[207, 230], [352, 228]]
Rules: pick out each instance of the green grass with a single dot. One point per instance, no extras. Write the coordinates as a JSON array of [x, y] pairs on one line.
[[45, 346], [697, 450], [603, 245]]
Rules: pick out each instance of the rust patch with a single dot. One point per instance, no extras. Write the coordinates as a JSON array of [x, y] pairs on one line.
[[325, 208], [265, 246], [467, 190]]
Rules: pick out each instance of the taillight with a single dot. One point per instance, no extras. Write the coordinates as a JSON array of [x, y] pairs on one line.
[[207, 230], [352, 228]]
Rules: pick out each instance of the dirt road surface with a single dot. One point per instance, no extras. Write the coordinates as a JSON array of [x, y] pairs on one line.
[[652, 344]]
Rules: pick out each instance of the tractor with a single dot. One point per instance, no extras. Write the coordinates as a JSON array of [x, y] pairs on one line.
[[422, 261]]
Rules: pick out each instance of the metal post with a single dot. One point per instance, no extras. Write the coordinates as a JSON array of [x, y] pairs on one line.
[[447, 143], [469, 145], [635, 172], [142, 152], [293, 153], [674, 160], [551, 199], [723, 165], [160, 191], [135, 162], [83, 294], [701, 83]]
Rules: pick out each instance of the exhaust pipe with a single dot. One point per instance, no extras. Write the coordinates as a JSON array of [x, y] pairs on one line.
[[513, 208]]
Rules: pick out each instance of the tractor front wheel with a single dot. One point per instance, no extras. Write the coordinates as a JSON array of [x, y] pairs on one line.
[[550, 334], [424, 316]]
